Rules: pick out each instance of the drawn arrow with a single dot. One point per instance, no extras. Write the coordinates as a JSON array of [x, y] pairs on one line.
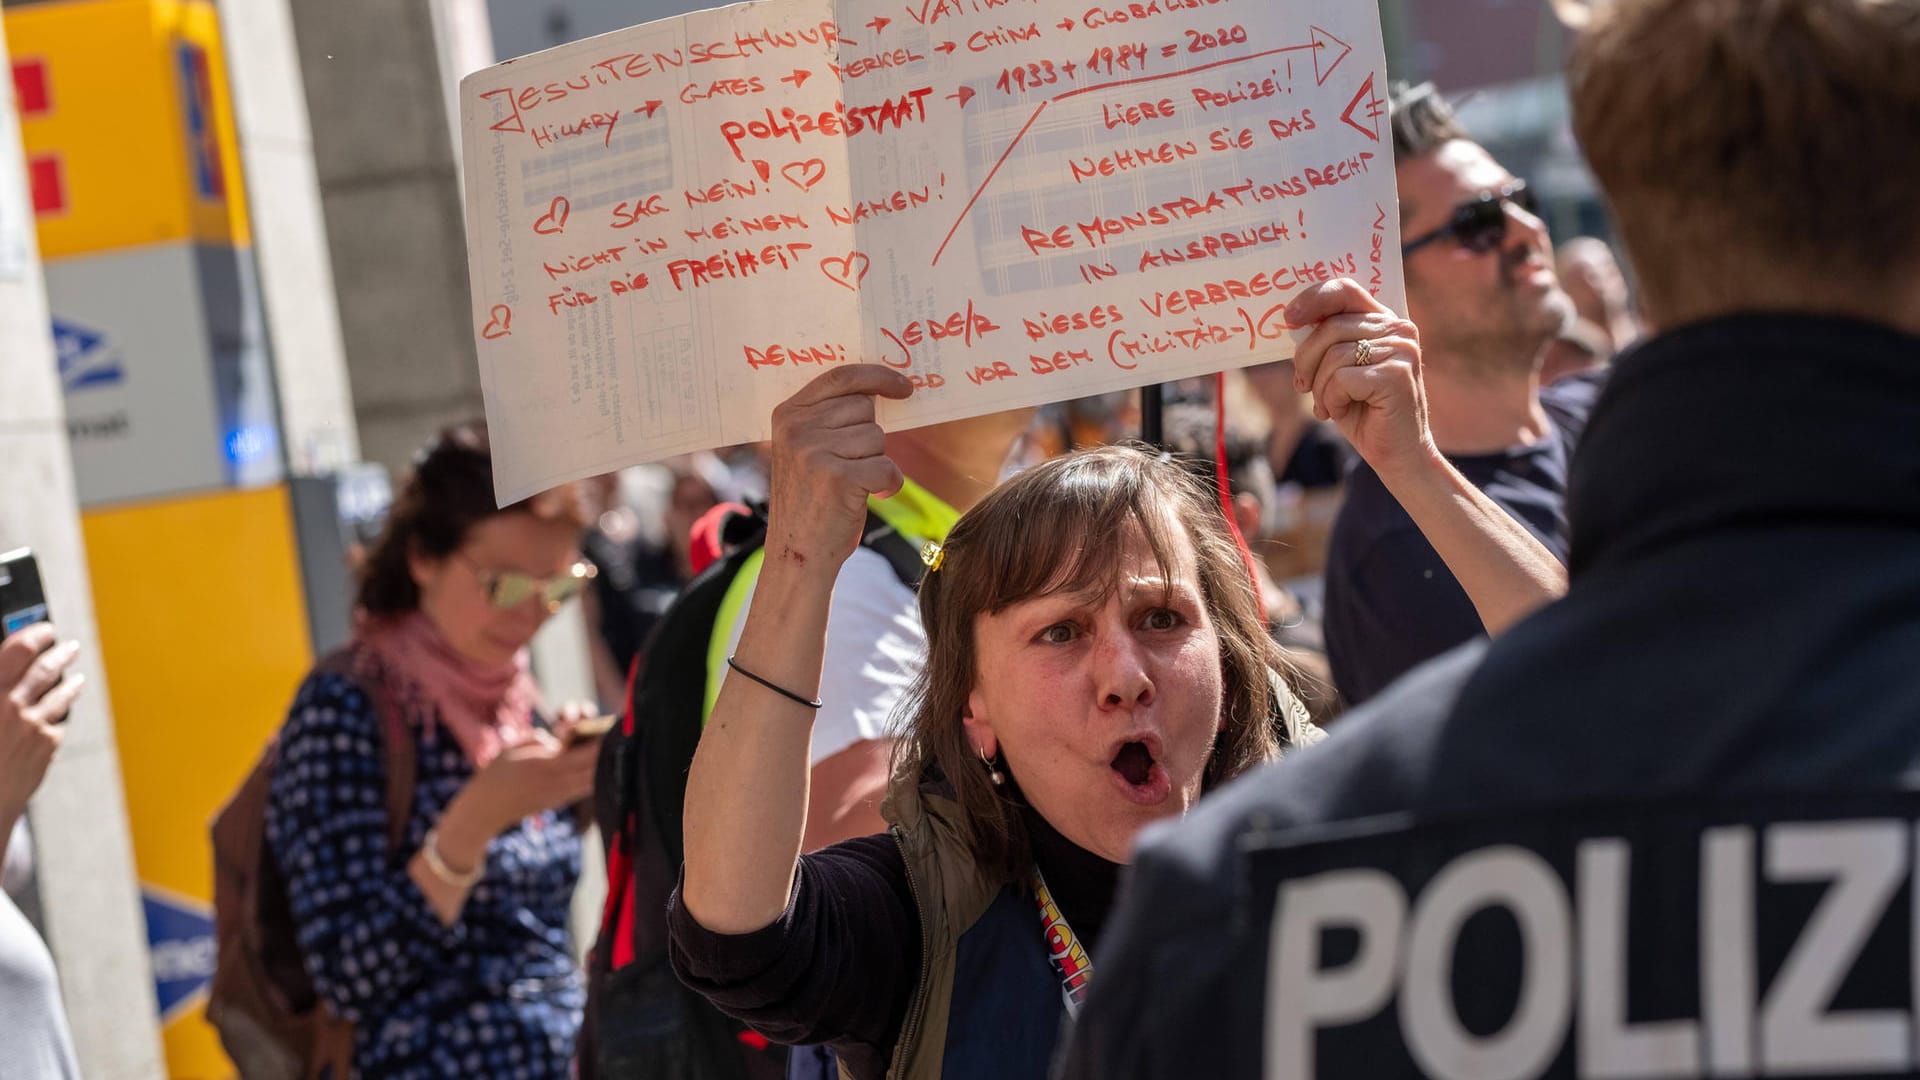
[[1375, 109], [799, 76], [1065, 24], [879, 23], [963, 95], [945, 47], [649, 108], [1323, 69]]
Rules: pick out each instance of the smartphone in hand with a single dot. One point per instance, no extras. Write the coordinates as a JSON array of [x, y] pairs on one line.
[[22, 600], [589, 729]]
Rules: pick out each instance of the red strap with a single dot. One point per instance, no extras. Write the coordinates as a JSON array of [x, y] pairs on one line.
[[1226, 491], [633, 676], [704, 547], [617, 916], [623, 924]]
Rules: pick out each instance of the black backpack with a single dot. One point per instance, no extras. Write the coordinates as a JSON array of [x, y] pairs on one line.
[[641, 1021]]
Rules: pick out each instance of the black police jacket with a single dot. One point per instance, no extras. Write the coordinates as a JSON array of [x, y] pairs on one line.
[[1662, 828]]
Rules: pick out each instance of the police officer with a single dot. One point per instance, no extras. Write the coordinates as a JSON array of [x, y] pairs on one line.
[[1665, 827]]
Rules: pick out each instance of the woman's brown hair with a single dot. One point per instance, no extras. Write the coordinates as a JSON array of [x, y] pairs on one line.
[[1051, 530], [449, 492]]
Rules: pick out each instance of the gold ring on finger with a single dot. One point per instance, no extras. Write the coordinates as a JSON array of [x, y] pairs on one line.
[[1363, 352]]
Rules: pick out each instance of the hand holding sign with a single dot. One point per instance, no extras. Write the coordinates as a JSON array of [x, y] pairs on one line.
[[1362, 365], [828, 456]]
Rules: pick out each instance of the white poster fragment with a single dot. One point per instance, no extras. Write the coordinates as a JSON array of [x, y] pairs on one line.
[[673, 227]]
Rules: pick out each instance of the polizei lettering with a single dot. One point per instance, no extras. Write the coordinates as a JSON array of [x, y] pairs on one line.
[[1694, 947]]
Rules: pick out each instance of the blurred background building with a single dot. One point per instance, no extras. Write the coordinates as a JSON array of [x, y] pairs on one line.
[[1504, 62]]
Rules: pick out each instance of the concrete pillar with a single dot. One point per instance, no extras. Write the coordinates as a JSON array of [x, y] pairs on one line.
[[464, 36], [290, 239], [87, 888], [389, 183]]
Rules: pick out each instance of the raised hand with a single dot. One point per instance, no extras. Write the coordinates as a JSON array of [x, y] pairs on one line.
[[1381, 407], [1372, 391], [35, 695], [828, 456]]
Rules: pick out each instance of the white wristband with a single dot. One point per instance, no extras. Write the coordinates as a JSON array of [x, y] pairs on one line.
[[439, 868]]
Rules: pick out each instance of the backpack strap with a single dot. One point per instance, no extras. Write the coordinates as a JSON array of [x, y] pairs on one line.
[[400, 751], [403, 766], [900, 553]]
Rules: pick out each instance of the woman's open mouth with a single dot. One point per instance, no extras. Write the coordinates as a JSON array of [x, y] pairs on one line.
[[1139, 774]]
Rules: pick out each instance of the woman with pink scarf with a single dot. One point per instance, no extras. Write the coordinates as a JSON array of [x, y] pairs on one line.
[[451, 955]]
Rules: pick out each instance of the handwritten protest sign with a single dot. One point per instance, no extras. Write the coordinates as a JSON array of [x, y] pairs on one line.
[[673, 227]]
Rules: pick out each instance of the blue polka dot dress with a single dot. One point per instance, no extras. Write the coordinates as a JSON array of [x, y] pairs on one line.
[[497, 995]]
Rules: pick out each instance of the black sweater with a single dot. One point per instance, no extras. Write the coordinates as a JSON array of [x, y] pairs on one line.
[[840, 965]]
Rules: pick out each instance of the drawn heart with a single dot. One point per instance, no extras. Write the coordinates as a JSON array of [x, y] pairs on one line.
[[501, 325], [846, 272], [554, 221], [804, 174]]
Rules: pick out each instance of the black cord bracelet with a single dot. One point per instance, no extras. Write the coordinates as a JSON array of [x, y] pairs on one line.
[[781, 690]]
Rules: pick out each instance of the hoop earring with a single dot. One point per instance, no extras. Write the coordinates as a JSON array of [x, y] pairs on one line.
[[998, 778]]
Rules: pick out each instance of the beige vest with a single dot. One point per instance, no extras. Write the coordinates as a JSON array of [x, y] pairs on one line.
[[952, 893]]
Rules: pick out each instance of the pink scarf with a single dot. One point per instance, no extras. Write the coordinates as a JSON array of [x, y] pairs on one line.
[[486, 709]]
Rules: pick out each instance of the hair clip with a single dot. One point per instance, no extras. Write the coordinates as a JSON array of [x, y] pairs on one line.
[[934, 555]]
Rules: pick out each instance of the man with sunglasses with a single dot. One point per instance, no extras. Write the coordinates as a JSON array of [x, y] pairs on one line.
[[1481, 288]]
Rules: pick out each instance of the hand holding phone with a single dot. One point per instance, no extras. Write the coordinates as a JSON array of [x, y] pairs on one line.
[[32, 660], [588, 729], [23, 601], [35, 694]]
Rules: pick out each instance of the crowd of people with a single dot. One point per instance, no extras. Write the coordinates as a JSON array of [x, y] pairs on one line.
[[1480, 693]]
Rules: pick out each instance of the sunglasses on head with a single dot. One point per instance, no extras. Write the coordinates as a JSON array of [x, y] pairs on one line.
[[1480, 225], [508, 589]]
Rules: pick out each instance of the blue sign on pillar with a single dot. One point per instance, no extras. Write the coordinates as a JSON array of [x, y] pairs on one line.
[[180, 936], [86, 357]]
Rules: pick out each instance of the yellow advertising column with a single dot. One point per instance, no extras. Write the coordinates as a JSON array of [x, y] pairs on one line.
[[138, 197]]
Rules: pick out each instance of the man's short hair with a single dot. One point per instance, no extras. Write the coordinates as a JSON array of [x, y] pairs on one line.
[[1754, 148], [1422, 120]]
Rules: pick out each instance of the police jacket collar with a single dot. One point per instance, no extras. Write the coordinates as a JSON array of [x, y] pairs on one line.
[[1748, 421]]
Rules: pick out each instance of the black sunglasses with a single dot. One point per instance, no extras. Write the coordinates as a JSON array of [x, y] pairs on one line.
[[1480, 225]]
